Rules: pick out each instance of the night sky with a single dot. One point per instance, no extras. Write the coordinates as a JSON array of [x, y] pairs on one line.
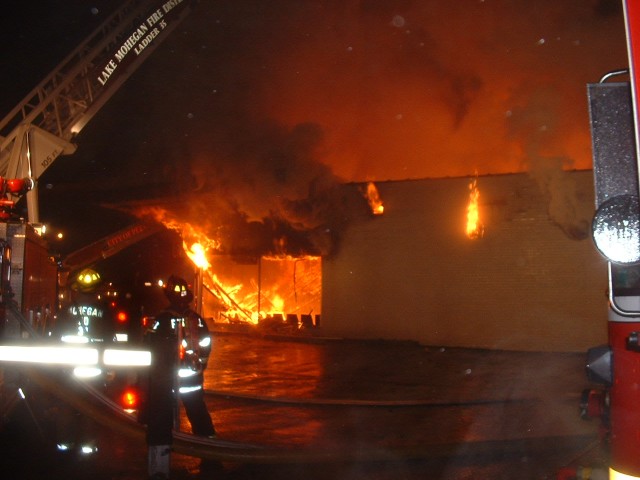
[[261, 108]]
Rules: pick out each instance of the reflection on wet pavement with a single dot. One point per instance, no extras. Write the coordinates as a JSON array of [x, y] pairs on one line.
[[375, 411], [400, 398]]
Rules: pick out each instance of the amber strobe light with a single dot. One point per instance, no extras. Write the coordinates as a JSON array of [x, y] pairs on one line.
[[613, 475]]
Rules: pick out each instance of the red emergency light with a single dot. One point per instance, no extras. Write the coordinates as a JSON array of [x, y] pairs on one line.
[[16, 186], [130, 399]]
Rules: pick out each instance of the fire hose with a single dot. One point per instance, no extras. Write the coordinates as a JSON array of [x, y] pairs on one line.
[[90, 402], [344, 402], [105, 412]]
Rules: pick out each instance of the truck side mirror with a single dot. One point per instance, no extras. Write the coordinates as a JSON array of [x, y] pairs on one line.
[[616, 229]]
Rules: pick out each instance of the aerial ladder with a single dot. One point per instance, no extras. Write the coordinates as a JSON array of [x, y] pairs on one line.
[[43, 125], [41, 128]]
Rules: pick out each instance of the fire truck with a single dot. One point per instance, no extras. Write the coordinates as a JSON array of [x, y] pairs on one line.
[[42, 127], [39, 130], [615, 366]]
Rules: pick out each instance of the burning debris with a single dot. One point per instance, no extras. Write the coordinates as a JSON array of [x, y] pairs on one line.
[[277, 290], [253, 289]]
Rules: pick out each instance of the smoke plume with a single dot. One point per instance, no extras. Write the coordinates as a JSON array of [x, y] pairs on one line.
[[267, 106]]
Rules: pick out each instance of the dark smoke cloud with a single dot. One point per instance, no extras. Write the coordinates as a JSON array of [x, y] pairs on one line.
[[263, 108], [266, 194], [400, 89], [288, 98]]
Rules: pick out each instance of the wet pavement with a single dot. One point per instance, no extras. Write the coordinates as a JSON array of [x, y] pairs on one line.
[[375, 410]]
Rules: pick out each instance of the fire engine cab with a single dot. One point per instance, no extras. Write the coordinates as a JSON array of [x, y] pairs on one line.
[[615, 128]]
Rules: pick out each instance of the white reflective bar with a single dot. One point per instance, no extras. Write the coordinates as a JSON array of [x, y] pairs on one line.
[[122, 337], [63, 355], [613, 475], [189, 389], [88, 449], [186, 372], [130, 358], [87, 372], [74, 339]]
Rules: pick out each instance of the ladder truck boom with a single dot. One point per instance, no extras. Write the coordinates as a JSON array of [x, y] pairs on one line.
[[43, 125], [33, 135]]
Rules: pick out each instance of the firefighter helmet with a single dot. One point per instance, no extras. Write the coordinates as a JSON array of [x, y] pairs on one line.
[[87, 280], [177, 290]]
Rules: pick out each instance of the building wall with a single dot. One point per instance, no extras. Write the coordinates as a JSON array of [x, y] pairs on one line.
[[413, 274]]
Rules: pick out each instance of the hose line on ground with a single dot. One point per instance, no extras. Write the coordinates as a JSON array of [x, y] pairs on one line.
[[91, 403], [349, 402]]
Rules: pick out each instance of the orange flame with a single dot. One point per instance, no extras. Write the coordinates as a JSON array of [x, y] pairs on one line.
[[373, 197], [289, 286], [235, 293], [475, 229], [277, 303], [198, 255]]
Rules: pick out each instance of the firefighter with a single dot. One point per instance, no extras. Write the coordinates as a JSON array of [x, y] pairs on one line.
[[194, 347], [86, 317], [158, 411], [180, 344]]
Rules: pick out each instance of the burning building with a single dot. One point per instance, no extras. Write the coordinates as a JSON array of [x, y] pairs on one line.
[[499, 261]]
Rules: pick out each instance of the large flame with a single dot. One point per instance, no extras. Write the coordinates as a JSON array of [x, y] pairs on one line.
[[373, 197], [273, 287], [278, 287], [197, 254], [475, 228]]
